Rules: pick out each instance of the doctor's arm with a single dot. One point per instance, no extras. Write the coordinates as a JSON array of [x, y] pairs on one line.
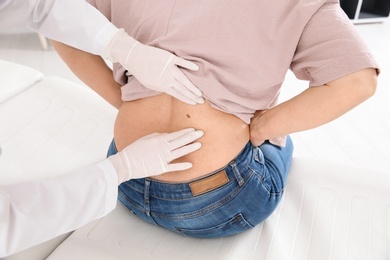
[[314, 107], [36, 211], [82, 26]]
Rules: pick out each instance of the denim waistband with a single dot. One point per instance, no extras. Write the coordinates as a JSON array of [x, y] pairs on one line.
[[168, 190]]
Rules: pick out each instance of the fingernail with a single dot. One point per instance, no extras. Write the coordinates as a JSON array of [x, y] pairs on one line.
[[197, 145], [200, 133], [198, 92]]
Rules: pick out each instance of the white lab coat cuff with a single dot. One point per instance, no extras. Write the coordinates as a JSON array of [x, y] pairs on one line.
[[112, 185]]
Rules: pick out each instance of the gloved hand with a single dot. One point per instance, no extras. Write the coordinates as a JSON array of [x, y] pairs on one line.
[[154, 68], [152, 154]]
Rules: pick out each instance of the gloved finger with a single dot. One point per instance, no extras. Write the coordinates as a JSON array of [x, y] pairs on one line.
[[186, 93], [185, 139], [185, 150], [176, 94], [185, 64], [178, 166], [172, 136], [182, 79]]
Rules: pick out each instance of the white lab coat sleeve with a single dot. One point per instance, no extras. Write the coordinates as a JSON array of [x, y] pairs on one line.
[[73, 22], [36, 211]]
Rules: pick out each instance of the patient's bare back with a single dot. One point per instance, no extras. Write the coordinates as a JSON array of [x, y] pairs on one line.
[[225, 134]]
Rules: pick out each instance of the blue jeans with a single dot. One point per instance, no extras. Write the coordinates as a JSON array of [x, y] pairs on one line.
[[226, 202]]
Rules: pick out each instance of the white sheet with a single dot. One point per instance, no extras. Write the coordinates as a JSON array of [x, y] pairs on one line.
[[15, 78], [51, 129]]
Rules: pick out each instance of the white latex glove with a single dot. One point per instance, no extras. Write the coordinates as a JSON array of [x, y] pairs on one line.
[[154, 68], [152, 154]]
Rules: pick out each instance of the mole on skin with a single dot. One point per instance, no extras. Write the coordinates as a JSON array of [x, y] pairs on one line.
[[188, 116]]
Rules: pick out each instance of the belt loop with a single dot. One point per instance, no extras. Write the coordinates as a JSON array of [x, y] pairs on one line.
[[146, 197], [258, 155], [237, 174]]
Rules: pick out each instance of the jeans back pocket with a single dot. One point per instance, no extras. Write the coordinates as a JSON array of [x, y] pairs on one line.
[[235, 225]]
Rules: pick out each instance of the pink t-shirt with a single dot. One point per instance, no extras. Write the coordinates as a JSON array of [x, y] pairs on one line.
[[244, 48]]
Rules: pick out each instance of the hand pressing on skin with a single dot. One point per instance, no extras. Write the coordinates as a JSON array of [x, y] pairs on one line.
[[154, 68], [152, 155]]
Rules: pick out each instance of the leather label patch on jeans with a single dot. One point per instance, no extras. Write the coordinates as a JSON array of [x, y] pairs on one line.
[[209, 183]]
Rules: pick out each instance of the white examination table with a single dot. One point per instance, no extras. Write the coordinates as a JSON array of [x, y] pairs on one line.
[[50, 126]]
